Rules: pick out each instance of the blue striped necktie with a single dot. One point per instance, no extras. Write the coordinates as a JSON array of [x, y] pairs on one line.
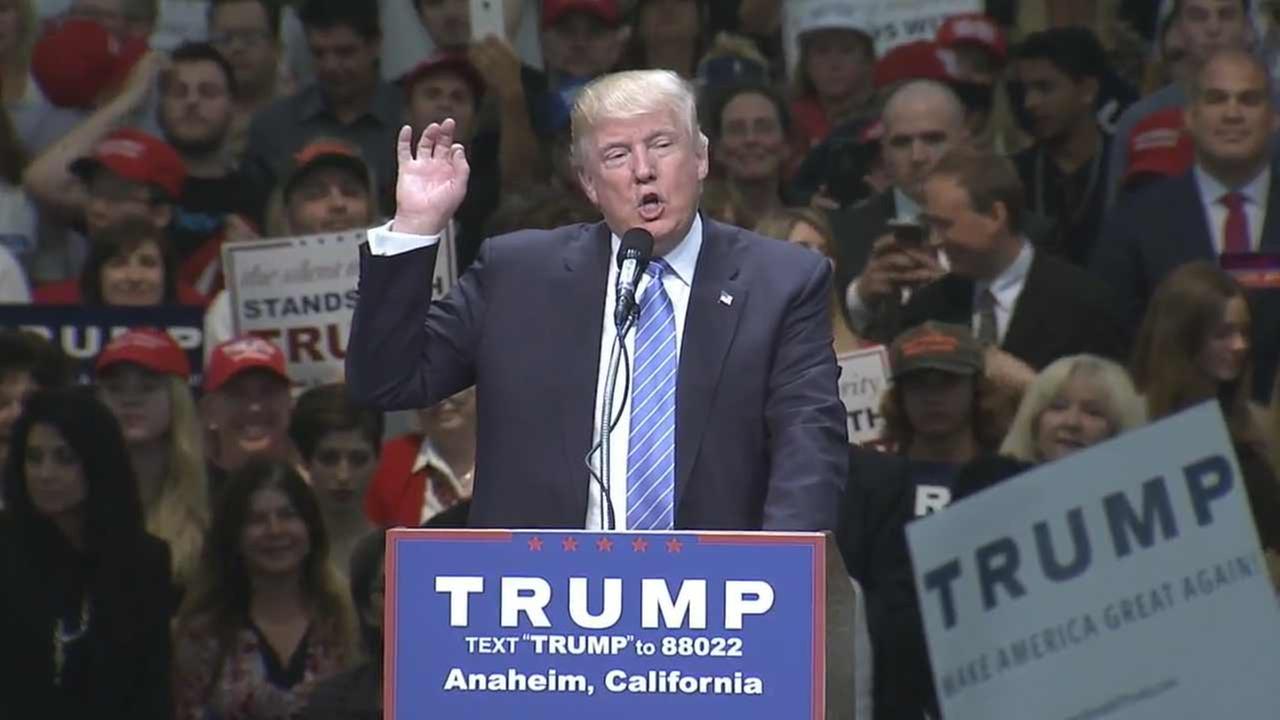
[[651, 456]]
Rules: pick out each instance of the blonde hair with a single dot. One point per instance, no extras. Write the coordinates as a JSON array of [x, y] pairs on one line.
[[1124, 407], [631, 94], [180, 515], [779, 224]]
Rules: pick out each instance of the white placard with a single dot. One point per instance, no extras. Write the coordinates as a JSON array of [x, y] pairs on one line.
[[890, 22], [1123, 581], [864, 378], [300, 293]]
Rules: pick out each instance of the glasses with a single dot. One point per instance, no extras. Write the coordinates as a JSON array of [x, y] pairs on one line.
[[244, 38]]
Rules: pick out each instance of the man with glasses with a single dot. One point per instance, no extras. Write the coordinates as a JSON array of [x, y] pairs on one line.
[[247, 33]]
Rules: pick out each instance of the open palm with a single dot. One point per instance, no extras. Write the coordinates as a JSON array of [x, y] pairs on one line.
[[431, 185]]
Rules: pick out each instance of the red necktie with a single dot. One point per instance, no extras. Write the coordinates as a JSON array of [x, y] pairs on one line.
[[1235, 231]]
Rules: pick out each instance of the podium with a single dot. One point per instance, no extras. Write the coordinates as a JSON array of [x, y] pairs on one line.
[[551, 625]]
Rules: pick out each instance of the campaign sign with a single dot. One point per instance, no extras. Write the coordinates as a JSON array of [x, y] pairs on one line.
[[549, 625], [83, 330], [300, 293], [864, 378], [1122, 581]]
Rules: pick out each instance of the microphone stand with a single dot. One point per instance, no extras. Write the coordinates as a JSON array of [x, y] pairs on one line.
[[608, 519]]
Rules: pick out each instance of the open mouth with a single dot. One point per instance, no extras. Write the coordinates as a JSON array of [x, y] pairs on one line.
[[651, 206]]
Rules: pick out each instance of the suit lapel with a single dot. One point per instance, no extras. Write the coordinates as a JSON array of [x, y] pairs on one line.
[[1196, 235], [1270, 242], [709, 326], [579, 287], [1027, 314]]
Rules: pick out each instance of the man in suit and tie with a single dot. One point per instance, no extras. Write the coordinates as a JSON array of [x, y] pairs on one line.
[[733, 421], [1028, 307], [922, 119], [1228, 203]]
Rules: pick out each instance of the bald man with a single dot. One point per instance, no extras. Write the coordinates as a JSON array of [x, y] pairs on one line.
[[922, 120]]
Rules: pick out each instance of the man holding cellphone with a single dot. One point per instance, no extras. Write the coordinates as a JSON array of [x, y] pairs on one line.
[[923, 119], [473, 28]]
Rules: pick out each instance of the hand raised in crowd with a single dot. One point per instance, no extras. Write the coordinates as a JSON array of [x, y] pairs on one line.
[[143, 79], [822, 200], [431, 184], [497, 62], [1008, 371], [893, 266]]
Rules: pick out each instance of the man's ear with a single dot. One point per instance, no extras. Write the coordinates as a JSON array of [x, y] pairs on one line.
[[999, 213], [588, 184]]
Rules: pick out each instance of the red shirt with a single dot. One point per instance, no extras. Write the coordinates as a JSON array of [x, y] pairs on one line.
[[67, 292], [398, 490]]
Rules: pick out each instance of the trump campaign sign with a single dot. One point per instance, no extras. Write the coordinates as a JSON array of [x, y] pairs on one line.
[[1123, 581], [552, 624]]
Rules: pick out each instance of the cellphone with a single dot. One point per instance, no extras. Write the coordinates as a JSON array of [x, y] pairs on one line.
[[908, 233], [487, 19]]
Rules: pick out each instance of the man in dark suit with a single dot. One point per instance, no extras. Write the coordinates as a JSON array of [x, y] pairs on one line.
[[922, 119], [1027, 306], [1229, 203], [744, 430]]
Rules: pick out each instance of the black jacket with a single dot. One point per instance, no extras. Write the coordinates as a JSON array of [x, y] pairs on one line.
[[1061, 311], [872, 538], [126, 651]]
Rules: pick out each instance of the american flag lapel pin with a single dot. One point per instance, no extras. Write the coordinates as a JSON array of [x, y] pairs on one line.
[[726, 299]]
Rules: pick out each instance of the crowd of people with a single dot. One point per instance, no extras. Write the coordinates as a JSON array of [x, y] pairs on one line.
[[1056, 221]]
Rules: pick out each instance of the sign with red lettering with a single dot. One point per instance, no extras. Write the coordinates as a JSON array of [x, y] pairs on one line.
[[300, 293]]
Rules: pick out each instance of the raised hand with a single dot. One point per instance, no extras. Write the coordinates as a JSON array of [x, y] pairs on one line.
[[429, 186]]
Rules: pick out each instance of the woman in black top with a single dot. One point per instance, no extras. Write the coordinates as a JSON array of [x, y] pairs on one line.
[[84, 591]]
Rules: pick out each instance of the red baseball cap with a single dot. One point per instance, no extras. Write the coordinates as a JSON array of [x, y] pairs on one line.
[[246, 352], [137, 157], [606, 10], [974, 29], [75, 60], [153, 349], [919, 60], [1159, 145], [454, 62]]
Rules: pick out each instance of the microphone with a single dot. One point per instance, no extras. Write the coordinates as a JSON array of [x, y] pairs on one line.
[[633, 258]]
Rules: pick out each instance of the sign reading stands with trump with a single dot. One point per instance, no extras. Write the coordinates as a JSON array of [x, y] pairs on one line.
[[1124, 581], [300, 293], [551, 625]]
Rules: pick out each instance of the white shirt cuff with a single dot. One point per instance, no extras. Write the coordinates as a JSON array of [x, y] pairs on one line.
[[384, 241], [859, 313]]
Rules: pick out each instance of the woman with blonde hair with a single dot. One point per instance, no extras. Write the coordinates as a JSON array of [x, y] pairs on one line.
[[1075, 402], [810, 228], [268, 617], [142, 377]]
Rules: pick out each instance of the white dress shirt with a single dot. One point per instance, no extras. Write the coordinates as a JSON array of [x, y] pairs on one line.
[[1255, 205], [1006, 288], [683, 260]]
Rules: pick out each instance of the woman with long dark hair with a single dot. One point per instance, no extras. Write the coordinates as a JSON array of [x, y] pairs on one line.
[[1195, 344], [84, 591], [267, 618]]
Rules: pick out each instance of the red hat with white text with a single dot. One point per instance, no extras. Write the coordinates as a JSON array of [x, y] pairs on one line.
[[974, 29], [237, 355], [153, 349]]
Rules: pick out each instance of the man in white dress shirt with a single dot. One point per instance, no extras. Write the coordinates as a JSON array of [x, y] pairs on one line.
[[738, 422]]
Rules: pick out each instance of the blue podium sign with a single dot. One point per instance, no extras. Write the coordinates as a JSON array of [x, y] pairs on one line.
[[549, 624]]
